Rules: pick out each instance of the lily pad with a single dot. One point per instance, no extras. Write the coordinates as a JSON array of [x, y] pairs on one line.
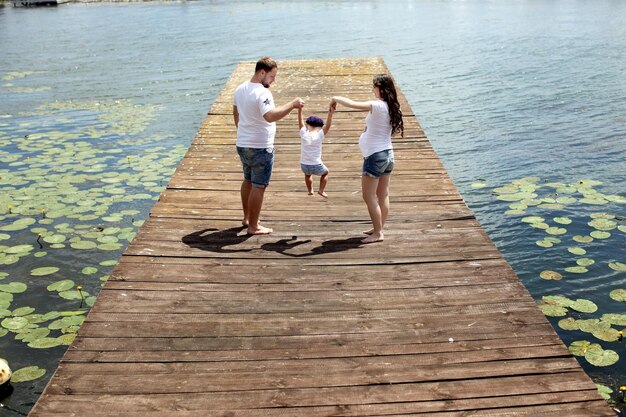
[[615, 319], [84, 244], [46, 270], [568, 324], [576, 251], [584, 306], [562, 220], [44, 343], [604, 391], [89, 270], [583, 239], [552, 310], [585, 262], [13, 287], [598, 234], [556, 230], [14, 323], [602, 224], [617, 266], [618, 295], [29, 373], [576, 269], [601, 357], [62, 285], [608, 335], [550, 275], [580, 347]]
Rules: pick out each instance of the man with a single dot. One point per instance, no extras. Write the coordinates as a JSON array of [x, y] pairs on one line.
[[255, 116]]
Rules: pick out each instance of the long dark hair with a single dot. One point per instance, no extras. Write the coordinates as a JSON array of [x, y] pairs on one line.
[[388, 93]]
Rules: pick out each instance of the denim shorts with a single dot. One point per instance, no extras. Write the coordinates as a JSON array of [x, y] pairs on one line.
[[319, 169], [378, 163], [257, 165]]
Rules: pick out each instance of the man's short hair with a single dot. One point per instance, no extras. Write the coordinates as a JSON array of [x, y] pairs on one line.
[[265, 63]]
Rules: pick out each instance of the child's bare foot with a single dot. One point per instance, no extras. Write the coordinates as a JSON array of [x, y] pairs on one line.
[[323, 194], [259, 230], [368, 232], [374, 237]]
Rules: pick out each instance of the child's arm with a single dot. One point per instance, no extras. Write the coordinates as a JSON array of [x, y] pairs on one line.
[[300, 121], [329, 118]]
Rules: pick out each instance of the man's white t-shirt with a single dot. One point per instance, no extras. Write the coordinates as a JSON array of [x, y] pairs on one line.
[[253, 100], [311, 149], [377, 135]]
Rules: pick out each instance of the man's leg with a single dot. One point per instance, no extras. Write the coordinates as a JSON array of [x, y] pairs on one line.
[[255, 202], [246, 186]]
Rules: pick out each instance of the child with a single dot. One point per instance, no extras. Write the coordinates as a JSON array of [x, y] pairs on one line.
[[312, 135]]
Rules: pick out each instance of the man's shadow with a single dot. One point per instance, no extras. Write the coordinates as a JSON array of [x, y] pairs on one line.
[[219, 240]]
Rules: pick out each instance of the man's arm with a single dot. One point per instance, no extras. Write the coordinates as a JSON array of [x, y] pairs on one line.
[[236, 116], [278, 113]]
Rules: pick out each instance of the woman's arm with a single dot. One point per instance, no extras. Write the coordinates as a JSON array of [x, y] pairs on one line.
[[358, 105], [300, 121]]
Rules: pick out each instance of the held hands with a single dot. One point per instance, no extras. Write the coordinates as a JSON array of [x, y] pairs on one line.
[[297, 103], [332, 107]]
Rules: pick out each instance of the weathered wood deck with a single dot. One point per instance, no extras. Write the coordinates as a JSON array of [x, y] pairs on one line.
[[199, 319]]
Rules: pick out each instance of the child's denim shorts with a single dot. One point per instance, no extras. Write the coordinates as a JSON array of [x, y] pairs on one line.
[[319, 169], [257, 165], [378, 163]]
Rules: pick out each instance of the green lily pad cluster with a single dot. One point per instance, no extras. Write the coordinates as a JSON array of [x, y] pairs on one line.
[[76, 179], [30, 327], [594, 353]]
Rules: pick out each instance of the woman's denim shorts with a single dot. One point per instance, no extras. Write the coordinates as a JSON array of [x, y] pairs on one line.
[[319, 169], [257, 165], [378, 163]]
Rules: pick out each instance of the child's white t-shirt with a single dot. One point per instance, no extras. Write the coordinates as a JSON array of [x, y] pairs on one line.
[[253, 100], [311, 150], [377, 135]]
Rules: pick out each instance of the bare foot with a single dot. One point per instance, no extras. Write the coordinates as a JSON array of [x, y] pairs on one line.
[[323, 194], [373, 238], [259, 230], [368, 232], [244, 223], [310, 193]]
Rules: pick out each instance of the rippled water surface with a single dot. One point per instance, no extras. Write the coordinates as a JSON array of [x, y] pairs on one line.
[[504, 90]]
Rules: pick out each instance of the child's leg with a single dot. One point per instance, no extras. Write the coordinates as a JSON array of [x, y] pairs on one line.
[[309, 183], [323, 182]]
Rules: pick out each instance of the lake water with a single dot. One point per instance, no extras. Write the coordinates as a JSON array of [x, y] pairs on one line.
[[504, 91]]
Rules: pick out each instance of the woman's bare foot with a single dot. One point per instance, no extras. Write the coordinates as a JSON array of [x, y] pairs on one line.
[[244, 223], [259, 230], [368, 232], [310, 192], [374, 237], [323, 194]]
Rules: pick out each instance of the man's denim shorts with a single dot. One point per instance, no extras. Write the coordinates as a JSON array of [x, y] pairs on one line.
[[378, 163], [257, 165], [319, 169]]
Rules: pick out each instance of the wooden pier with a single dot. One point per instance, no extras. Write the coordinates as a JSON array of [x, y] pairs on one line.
[[200, 320]]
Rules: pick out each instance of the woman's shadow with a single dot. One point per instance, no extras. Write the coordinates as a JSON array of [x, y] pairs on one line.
[[219, 240]]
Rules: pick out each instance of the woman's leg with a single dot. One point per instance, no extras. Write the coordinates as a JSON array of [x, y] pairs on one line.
[[369, 187], [382, 193]]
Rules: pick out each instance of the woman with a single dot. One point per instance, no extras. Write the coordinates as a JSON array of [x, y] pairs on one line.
[[383, 120]]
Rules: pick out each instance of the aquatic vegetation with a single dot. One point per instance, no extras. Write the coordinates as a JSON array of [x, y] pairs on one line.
[[76, 180], [580, 242]]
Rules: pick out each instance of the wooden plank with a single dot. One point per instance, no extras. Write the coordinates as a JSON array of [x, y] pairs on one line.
[[199, 319]]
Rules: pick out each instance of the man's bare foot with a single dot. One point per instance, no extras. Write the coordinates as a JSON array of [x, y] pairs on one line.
[[368, 232], [373, 238], [259, 230], [323, 194]]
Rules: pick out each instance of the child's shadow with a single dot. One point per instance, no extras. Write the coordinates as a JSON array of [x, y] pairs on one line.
[[218, 240], [327, 246]]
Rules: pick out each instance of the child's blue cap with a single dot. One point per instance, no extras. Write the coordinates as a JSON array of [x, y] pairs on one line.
[[314, 121]]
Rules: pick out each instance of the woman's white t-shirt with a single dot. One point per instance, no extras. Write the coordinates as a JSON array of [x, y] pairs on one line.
[[311, 149], [253, 100], [377, 134]]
